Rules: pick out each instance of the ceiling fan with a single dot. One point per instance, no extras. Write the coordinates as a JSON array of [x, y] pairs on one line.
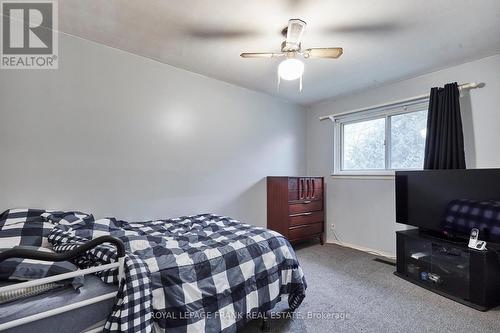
[[292, 67]]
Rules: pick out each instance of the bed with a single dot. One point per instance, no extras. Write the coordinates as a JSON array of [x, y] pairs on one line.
[[201, 273]]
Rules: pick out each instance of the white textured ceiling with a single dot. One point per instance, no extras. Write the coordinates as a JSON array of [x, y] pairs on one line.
[[383, 40]]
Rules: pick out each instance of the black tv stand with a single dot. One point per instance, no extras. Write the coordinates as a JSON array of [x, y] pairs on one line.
[[449, 268]]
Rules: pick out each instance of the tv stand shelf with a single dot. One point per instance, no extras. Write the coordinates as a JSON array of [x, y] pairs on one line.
[[449, 268]]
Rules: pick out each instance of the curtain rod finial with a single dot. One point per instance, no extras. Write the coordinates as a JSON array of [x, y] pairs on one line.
[[472, 85], [327, 117]]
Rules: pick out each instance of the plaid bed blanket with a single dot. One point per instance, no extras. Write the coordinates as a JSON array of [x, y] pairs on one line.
[[464, 214], [203, 273]]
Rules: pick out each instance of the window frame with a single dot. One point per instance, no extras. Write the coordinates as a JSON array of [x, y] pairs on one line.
[[386, 112]]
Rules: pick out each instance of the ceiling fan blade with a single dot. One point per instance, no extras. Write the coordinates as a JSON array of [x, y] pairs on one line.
[[294, 34], [295, 4], [261, 55], [324, 52], [365, 28], [220, 33]]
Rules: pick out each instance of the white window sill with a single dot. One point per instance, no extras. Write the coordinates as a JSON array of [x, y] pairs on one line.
[[365, 175]]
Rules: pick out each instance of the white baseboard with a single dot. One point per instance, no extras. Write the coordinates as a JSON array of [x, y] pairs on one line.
[[364, 249]]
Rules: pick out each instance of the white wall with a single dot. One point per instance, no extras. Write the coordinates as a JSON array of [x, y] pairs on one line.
[[363, 210], [120, 135]]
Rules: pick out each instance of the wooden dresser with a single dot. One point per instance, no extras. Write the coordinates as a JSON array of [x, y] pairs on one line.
[[295, 207]]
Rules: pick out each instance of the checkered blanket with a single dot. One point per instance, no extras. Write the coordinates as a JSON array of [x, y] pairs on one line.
[[203, 273], [463, 214]]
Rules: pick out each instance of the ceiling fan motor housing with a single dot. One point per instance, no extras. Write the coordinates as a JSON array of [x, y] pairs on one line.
[[290, 47], [294, 32]]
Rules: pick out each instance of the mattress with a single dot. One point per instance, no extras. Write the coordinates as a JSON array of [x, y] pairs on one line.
[[76, 320]]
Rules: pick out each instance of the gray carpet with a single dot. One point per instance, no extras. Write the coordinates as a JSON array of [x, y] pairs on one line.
[[354, 293]]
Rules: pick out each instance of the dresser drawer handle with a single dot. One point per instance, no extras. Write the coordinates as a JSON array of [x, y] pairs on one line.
[[307, 202], [299, 226], [300, 214]]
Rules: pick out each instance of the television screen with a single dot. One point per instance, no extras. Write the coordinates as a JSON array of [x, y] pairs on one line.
[[450, 201]]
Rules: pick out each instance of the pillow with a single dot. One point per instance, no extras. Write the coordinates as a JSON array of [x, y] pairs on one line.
[[23, 227], [18, 269], [66, 218], [31, 227]]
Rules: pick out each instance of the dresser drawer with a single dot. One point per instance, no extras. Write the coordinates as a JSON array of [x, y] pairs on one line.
[[305, 206], [306, 218], [305, 188], [304, 231]]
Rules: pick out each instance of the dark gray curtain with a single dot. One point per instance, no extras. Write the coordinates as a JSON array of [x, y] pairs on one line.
[[444, 144]]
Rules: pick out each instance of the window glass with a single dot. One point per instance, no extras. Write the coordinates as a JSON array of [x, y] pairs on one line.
[[407, 142], [363, 145]]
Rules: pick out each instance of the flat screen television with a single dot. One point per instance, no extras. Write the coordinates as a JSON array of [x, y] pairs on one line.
[[450, 202]]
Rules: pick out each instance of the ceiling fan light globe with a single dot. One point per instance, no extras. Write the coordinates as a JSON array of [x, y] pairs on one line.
[[291, 69]]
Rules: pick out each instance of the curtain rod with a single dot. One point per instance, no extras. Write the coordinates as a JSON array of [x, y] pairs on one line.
[[464, 86]]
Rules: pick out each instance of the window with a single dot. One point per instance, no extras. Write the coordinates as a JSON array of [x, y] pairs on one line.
[[381, 140], [364, 145]]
